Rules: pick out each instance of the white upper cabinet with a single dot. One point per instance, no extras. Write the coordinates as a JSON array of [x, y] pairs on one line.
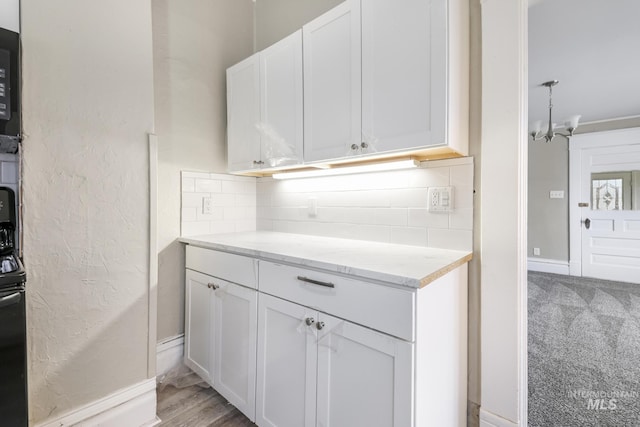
[[404, 74], [281, 102], [332, 88], [378, 77], [264, 108], [10, 15], [243, 114]]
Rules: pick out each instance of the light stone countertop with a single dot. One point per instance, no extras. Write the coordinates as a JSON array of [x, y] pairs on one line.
[[404, 265]]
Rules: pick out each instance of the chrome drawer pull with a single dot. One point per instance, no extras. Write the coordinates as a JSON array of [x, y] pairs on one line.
[[316, 282]]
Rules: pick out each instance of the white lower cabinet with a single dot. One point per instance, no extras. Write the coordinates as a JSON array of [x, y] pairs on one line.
[[197, 325], [318, 370], [234, 344], [287, 360], [220, 337], [312, 348], [364, 377]]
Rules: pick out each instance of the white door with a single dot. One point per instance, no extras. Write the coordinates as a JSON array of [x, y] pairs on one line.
[[365, 378], [332, 88], [287, 361], [243, 115], [404, 74], [605, 220], [197, 325], [235, 324], [281, 102]]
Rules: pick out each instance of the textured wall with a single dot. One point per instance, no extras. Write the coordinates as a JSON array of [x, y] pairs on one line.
[[194, 42], [88, 105]]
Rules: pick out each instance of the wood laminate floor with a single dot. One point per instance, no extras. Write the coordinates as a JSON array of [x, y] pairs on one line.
[[197, 407]]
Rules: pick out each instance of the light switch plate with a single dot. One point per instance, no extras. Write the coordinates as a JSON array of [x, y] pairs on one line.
[[312, 207], [556, 194], [440, 199]]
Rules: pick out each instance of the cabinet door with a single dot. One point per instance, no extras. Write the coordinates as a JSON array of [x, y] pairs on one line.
[[243, 114], [281, 102], [234, 352], [365, 378], [404, 75], [287, 359], [332, 92], [197, 325]]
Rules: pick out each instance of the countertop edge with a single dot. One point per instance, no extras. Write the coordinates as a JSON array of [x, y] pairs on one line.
[[378, 276]]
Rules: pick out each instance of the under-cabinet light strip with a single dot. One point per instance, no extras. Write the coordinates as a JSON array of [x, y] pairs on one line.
[[346, 170]]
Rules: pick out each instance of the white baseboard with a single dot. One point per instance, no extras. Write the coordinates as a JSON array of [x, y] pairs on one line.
[[548, 266], [131, 406], [487, 419], [169, 354]]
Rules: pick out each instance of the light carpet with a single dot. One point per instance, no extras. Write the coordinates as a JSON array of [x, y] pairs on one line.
[[584, 352]]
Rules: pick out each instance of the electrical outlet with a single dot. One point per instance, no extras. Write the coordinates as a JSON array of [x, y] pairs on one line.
[[440, 199], [207, 206], [536, 251]]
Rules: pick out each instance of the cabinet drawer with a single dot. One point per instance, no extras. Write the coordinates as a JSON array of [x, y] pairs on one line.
[[230, 267], [386, 309]]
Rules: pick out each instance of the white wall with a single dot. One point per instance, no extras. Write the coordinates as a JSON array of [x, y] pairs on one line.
[[387, 207], [194, 41], [88, 105], [10, 15]]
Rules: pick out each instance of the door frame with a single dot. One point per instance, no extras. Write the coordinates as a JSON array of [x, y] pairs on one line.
[[503, 213], [612, 138]]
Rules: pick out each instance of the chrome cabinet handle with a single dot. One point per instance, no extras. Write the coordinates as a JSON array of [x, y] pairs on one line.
[[316, 282], [587, 223], [364, 145], [354, 146], [258, 162], [309, 321], [213, 286], [320, 325]]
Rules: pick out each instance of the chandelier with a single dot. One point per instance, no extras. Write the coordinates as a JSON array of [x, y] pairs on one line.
[[570, 125]]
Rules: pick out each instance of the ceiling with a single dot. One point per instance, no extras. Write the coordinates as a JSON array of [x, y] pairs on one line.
[[593, 48]]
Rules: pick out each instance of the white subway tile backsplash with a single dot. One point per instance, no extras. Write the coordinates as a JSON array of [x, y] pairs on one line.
[[195, 175], [193, 200], [461, 219], [450, 239], [421, 217], [189, 214], [208, 186], [194, 228], [387, 206], [430, 177], [233, 200], [188, 185], [415, 236], [461, 175]]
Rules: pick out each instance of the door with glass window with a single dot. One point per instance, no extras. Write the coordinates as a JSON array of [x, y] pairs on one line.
[[605, 209]]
